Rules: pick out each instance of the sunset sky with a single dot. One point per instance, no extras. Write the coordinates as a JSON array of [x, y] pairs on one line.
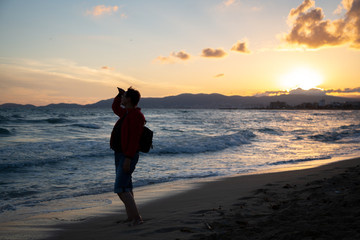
[[80, 51]]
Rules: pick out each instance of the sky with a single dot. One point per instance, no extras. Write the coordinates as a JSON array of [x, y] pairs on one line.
[[74, 51]]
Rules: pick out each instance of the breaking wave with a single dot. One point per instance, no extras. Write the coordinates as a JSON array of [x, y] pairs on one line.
[[200, 144], [347, 131], [295, 161], [4, 132]]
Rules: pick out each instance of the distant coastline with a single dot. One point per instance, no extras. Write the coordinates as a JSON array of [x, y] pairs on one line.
[[218, 101]]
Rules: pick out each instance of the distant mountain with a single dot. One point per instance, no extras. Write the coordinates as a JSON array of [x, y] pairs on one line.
[[58, 105], [64, 105], [13, 105], [101, 104], [208, 101]]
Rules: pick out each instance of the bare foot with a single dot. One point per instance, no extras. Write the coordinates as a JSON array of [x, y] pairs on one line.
[[136, 222], [124, 221]]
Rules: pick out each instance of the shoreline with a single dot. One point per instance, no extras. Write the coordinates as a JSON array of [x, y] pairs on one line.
[[195, 209]]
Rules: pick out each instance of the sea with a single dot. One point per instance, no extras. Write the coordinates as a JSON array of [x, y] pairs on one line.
[[49, 155]]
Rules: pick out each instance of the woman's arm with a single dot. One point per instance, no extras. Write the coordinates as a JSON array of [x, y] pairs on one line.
[[116, 106]]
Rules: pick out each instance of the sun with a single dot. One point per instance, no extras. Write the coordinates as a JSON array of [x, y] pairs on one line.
[[304, 78]]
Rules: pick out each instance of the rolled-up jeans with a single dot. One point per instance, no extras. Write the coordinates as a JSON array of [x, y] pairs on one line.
[[123, 180]]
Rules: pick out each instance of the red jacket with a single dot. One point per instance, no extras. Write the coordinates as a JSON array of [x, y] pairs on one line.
[[131, 128]]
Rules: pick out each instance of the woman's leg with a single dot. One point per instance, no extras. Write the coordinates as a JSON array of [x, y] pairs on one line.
[[131, 208]]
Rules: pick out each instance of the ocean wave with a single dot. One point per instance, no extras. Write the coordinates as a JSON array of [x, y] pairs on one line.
[[271, 131], [294, 161], [12, 118], [177, 177], [201, 144], [37, 121], [7, 207], [4, 132], [8, 195], [3, 119], [86, 125], [56, 120], [350, 132], [20, 165], [16, 116], [166, 129], [351, 126], [301, 132], [41, 154]]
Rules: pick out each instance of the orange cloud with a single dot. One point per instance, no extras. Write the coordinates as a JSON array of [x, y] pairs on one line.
[[181, 55], [107, 68], [213, 53], [345, 4], [164, 60], [229, 2], [174, 56], [346, 90], [219, 75], [240, 47], [310, 29], [313, 91], [102, 9], [306, 5]]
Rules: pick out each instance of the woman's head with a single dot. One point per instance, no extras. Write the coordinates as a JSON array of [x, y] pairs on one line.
[[131, 96]]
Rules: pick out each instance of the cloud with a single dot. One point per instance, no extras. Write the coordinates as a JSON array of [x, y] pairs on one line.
[[306, 5], [57, 80], [345, 4], [28, 81], [181, 55], [227, 3], [316, 91], [346, 90], [213, 53], [219, 75], [165, 60], [298, 91], [313, 91], [310, 29], [240, 47], [102, 10], [271, 93], [173, 57], [107, 68]]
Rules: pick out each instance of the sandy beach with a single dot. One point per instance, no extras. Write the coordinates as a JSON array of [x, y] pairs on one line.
[[316, 203]]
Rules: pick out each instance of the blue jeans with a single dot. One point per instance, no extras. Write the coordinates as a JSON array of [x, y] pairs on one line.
[[123, 181]]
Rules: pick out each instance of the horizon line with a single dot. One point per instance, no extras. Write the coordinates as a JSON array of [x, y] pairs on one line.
[[283, 93]]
